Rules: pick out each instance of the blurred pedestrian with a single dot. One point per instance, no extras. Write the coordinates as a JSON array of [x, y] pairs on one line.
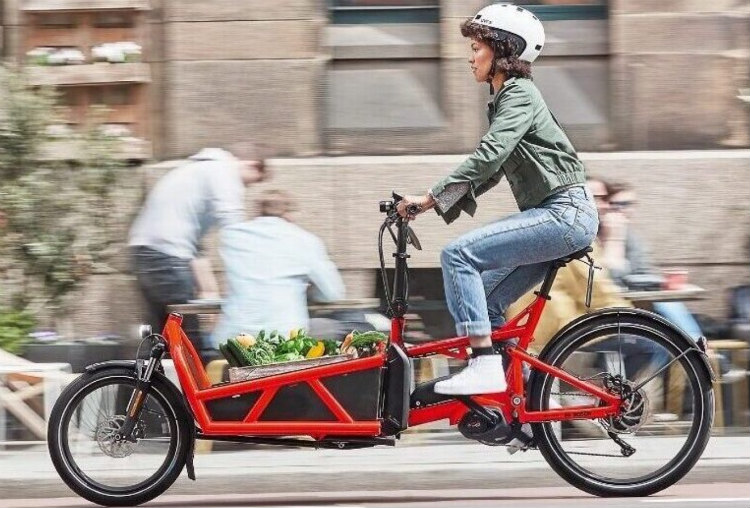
[[270, 263], [489, 268], [165, 239], [628, 260]]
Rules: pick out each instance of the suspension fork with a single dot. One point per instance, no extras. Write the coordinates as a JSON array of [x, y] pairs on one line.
[[142, 387]]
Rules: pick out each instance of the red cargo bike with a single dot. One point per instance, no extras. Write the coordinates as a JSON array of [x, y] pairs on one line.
[[122, 432]]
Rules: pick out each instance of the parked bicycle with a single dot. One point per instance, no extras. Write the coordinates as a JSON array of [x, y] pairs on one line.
[[122, 432]]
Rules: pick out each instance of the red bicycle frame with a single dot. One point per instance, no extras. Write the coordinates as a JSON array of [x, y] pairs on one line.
[[513, 401], [199, 392], [251, 402]]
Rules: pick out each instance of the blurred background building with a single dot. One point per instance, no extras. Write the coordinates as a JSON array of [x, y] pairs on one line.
[[358, 97]]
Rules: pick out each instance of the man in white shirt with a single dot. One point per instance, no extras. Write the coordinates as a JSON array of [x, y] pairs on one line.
[[270, 263], [208, 190]]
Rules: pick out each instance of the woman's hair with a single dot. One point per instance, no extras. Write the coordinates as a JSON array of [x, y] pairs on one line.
[[506, 49], [605, 183], [618, 187]]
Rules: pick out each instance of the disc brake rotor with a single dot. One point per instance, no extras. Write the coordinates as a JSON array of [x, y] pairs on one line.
[[106, 437], [634, 411]]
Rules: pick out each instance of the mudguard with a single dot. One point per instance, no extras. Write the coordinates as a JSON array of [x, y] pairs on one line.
[[641, 319], [176, 396]]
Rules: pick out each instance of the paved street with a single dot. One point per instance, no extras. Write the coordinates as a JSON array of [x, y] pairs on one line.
[[438, 470]]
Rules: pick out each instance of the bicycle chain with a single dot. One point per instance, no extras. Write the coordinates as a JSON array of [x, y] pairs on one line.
[[588, 454]]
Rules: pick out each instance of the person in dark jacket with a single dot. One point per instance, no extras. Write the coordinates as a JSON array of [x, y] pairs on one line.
[[487, 269]]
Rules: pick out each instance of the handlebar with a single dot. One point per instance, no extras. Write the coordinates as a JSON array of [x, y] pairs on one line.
[[389, 206]]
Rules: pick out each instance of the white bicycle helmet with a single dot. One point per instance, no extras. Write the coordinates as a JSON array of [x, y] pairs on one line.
[[508, 20]]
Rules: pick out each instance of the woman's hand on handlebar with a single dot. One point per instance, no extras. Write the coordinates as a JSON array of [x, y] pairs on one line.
[[406, 207]]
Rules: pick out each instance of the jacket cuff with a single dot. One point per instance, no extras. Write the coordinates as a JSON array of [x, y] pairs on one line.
[[446, 196]]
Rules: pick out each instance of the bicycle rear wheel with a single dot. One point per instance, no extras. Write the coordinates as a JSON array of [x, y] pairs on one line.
[[667, 421]]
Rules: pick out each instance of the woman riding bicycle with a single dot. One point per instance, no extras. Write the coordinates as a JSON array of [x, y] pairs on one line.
[[487, 269]]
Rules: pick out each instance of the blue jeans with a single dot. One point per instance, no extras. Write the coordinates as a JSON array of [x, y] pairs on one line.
[[678, 314], [487, 269]]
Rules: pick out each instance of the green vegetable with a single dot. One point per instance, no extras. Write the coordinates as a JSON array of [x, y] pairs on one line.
[[233, 361], [332, 347], [288, 357], [239, 352], [367, 338]]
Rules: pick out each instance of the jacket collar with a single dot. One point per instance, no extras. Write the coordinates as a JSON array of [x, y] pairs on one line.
[[498, 93]]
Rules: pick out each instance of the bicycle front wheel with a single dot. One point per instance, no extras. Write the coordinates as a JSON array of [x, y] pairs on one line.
[[667, 421], [83, 448]]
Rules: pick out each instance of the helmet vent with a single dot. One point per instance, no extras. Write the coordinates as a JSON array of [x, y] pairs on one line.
[[538, 47]]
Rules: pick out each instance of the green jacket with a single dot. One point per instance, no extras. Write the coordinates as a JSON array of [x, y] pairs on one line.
[[524, 143]]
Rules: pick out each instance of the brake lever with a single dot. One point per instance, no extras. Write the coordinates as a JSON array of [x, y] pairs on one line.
[[411, 238]]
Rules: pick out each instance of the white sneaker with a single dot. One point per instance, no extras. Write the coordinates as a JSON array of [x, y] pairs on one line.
[[484, 374]]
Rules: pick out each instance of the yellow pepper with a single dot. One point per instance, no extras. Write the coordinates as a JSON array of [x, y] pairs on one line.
[[316, 351], [293, 333]]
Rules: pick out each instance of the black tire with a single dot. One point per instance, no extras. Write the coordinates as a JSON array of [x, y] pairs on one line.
[[164, 393], [696, 438]]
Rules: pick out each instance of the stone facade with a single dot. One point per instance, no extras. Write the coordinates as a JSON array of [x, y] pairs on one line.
[[677, 68], [239, 70]]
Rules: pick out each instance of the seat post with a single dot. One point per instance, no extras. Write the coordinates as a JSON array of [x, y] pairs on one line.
[[549, 279]]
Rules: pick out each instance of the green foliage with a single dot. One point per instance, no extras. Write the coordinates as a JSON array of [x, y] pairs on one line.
[[60, 217], [14, 330]]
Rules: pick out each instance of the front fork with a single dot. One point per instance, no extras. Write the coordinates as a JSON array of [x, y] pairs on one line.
[[142, 387]]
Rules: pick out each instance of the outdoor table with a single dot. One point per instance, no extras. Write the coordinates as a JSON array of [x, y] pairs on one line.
[[214, 306], [687, 292]]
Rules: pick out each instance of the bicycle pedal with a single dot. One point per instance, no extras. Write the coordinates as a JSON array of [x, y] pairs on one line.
[[523, 441]]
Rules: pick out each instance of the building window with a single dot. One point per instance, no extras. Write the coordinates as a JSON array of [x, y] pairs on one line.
[[56, 20], [555, 10], [347, 12], [113, 20], [116, 95]]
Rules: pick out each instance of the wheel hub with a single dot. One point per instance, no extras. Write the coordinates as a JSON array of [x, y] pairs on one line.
[[109, 439], [635, 408]]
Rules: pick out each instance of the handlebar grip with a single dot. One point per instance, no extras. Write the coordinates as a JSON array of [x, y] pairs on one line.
[[413, 209]]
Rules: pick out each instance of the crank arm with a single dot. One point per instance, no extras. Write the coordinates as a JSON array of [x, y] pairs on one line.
[[478, 408]]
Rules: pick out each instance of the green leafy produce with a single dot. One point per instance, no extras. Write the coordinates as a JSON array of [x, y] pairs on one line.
[[331, 347], [262, 353], [361, 339], [362, 343], [288, 357], [274, 348]]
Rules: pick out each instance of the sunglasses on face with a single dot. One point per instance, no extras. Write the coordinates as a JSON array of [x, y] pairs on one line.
[[621, 204]]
